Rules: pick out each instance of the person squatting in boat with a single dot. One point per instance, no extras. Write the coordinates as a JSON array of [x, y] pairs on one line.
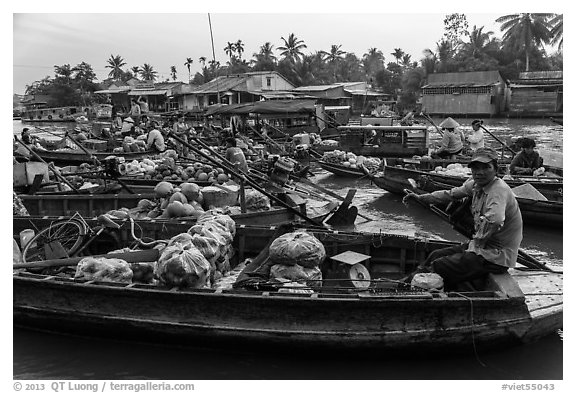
[[527, 162], [452, 140], [497, 225]]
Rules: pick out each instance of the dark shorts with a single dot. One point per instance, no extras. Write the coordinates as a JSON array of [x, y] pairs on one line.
[[457, 265]]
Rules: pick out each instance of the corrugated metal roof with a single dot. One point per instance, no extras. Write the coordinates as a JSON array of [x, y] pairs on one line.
[[317, 87], [476, 78], [360, 92], [147, 92], [220, 84], [268, 107], [113, 91], [464, 84]]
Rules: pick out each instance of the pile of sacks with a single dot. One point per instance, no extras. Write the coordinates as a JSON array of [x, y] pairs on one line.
[[296, 258], [195, 259]]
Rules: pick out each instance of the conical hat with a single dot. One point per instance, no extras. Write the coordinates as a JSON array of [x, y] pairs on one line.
[[449, 123]]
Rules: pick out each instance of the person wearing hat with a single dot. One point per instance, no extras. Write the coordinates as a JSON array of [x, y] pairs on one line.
[[127, 127], [476, 138], [527, 161], [497, 225], [452, 140]]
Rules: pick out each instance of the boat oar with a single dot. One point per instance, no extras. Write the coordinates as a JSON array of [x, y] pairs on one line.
[[97, 162], [331, 193], [151, 255], [50, 166], [229, 166], [424, 115], [524, 258], [499, 140]]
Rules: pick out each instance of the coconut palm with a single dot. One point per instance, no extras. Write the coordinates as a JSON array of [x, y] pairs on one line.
[[148, 73], [398, 53], [525, 31], [407, 60], [292, 48], [556, 31], [173, 73], [115, 63], [135, 70], [188, 63], [372, 61], [230, 49], [239, 48], [478, 42], [333, 57], [265, 59]]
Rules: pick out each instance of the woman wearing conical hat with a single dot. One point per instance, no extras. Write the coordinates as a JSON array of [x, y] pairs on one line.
[[452, 140]]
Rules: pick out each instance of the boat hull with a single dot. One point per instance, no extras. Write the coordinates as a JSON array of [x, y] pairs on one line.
[[341, 170], [375, 319], [77, 158]]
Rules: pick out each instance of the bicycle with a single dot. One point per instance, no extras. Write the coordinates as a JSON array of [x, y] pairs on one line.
[[72, 236]]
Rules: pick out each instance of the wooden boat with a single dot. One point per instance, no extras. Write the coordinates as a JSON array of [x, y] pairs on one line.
[[341, 170], [77, 157], [347, 311], [92, 205], [66, 113], [395, 179], [535, 212]]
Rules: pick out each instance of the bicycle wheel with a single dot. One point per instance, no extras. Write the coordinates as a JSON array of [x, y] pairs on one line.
[[60, 238]]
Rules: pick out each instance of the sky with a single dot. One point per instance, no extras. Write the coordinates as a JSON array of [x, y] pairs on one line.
[[42, 40]]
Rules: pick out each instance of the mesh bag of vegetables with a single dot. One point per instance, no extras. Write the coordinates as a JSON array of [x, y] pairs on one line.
[[104, 269], [297, 248], [311, 276], [183, 267], [255, 200]]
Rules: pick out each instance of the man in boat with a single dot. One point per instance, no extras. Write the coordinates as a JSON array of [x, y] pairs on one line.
[[452, 140], [182, 130], [476, 138], [29, 140], [527, 162], [497, 225], [156, 137]]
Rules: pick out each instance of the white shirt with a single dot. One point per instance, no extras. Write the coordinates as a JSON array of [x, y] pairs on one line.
[[156, 139], [476, 139]]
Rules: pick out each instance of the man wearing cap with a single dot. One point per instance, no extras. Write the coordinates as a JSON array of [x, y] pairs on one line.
[[476, 138], [527, 162], [452, 140], [497, 225]]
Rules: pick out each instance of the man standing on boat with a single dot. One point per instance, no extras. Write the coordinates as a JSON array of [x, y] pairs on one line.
[[497, 225], [476, 138], [452, 139]]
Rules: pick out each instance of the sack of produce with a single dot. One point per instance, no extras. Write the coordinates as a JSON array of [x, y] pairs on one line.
[[220, 196], [184, 239], [257, 201], [104, 269], [183, 268], [428, 281], [221, 218], [143, 272], [297, 248], [208, 246], [312, 277]]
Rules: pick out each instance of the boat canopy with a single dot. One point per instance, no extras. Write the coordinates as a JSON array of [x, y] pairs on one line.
[[265, 107]]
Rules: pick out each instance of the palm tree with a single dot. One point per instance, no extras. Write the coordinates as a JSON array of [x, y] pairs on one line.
[[265, 59], [239, 48], [372, 61], [292, 48], [525, 31], [136, 70], [333, 57], [479, 40], [188, 63], [173, 73], [398, 53], [556, 31], [230, 49], [64, 72], [406, 60], [148, 73], [115, 63]]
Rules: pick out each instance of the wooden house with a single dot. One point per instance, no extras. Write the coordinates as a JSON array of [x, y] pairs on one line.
[[236, 89], [537, 93], [465, 93]]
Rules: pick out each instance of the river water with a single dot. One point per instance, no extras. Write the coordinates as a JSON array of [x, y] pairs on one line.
[[38, 355]]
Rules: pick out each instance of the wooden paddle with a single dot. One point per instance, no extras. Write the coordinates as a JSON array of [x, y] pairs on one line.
[[499, 140]]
